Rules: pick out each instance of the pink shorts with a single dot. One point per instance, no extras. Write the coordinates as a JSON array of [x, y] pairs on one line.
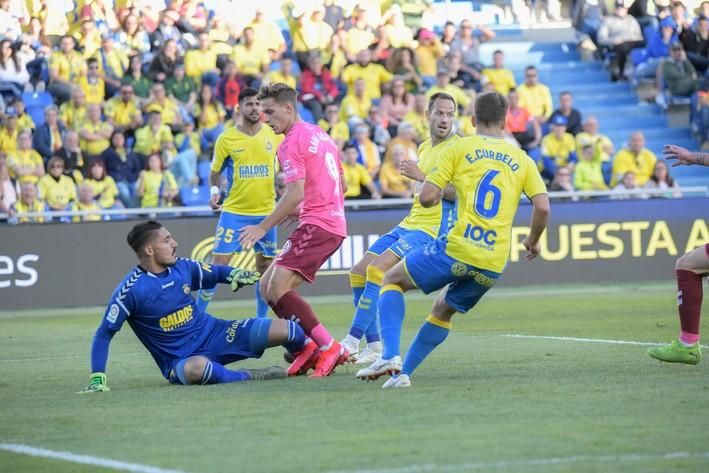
[[306, 249]]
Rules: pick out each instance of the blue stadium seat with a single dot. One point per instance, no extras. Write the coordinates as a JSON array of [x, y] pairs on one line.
[[35, 103], [305, 114], [203, 168], [192, 196]]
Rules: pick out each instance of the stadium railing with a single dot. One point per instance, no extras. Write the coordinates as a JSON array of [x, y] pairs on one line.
[[364, 204]]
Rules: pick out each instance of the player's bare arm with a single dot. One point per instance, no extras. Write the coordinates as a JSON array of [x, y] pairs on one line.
[[540, 220], [684, 156], [431, 195], [410, 169], [214, 190], [295, 191]]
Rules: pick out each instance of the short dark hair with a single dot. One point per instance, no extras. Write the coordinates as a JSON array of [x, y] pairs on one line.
[[440, 96], [491, 108], [279, 92], [348, 145], [141, 234], [246, 93], [91, 60]]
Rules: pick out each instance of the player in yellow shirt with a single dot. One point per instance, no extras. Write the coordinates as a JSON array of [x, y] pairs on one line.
[[356, 175], [420, 227], [57, 190], [246, 155], [501, 79], [27, 203], [558, 148], [24, 163], [636, 158], [489, 175], [374, 75]]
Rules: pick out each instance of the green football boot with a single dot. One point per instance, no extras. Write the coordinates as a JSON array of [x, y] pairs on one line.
[[272, 372], [675, 352]]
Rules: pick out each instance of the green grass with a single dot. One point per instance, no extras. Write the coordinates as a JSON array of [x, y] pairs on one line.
[[481, 402]]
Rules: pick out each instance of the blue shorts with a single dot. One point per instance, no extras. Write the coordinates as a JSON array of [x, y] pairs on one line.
[[226, 240], [231, 340], [430, 268], [400, 241]]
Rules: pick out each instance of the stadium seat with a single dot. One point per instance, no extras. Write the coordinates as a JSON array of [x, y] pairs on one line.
[[203, 169], [193, 196], [305, 114], [35, 103]]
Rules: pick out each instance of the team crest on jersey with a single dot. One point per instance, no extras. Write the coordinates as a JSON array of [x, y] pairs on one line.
[[459, 269], [186, 288], [286, 248]]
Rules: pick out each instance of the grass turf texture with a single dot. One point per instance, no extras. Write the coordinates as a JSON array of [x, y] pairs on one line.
[[481, 402]]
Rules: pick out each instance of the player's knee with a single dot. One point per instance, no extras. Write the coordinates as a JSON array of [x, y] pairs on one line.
[[360, 268], [683, 262], [193, 369], [263, 290]]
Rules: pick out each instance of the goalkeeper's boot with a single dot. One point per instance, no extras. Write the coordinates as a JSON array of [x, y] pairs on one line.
[[304, 360], [352, 348], [329, 359], [380, 368], [272, 372], [401, 381], [675, 352], [367, 356]]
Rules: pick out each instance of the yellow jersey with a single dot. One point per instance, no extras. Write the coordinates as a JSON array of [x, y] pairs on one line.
[[20, 159], [8, 140], [25, 121], [391, 178], [69, 66], [374, 75], [120, 112], [251, 61], [559, 149], [214, 114], [155, 185], [420, 124], [21, 208], [72, 116], [340, 131], [489, 175], [641, 164], [95, 147], [95, 92], [277, 76], [536, 99], [105, 191], [57, 193], [249, 163], [461, 98], [197, 62], [147, 142], [168, 110], [501, 79], [356, 176], [95, 217], [353, 106], [427, 220]]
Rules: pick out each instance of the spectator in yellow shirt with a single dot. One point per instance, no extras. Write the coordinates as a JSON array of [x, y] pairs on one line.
[[558, 148], [338, 130], [428, 52], [588, 174], [160, 102], [86, 203], [95, 134], [284, 74], [358, 37], [308, 30], [103, 187], [210, 116], [501, 78], [88, 37], [443, 85], [374, 75], [149, 138], [92, 84], [356, 106], [391, 181], [603, 145], [24, 163], [252, 59], [24, 120], [122, 112], [73, 112], [112, 62], [368, 151], [56, 189], [535, 96], [356, 175], [636, 158], [27, 203], [156, 187], [9, 131], [202, 62], [267, 33], [66, 66], [417, 117]]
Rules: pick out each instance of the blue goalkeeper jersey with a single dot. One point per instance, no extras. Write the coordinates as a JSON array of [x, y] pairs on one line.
[[161, 310]]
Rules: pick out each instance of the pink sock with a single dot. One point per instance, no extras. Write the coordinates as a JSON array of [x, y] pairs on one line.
[[321, 336], [688, 338]]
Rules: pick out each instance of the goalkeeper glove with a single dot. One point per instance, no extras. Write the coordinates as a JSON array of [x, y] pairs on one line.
[[97, 383], [239, 278]]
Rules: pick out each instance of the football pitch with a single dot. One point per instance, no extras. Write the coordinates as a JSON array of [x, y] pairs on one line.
[[532, 380]]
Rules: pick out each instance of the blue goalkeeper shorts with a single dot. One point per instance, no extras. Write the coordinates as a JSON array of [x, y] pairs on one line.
[[430, 268], [400, 241], [226, 239]]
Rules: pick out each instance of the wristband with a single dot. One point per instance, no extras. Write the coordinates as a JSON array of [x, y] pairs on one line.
[[214, 190]]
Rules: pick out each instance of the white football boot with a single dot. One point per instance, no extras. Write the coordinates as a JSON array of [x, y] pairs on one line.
[[401, 381], [380, 368]]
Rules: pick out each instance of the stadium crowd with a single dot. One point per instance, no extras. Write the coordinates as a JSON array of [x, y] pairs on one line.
[[112, 104]]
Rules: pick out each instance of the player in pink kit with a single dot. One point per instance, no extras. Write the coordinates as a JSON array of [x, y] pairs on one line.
[[311, 162]]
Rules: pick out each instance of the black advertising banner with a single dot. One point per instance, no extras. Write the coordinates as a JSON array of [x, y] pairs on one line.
[[70, 265]]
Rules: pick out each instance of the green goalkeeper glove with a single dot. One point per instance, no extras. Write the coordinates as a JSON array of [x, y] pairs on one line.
[[97, 383], [239, 278]]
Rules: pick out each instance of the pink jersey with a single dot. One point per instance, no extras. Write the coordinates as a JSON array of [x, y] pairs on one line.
[[307, 152]]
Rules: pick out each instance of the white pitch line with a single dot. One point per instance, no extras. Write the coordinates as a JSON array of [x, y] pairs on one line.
[[486, 466], [587, 340], [83, 459], [65, 357]]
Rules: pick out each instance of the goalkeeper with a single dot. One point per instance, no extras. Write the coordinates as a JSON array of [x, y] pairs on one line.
[[189, 346]]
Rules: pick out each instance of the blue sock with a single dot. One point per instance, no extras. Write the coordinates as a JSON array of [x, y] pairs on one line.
[[216, 373], [261, 305], [357, 282], [366, 311], [296, 338], [372, 332], [392, 309], [430, 335], [204, 297]]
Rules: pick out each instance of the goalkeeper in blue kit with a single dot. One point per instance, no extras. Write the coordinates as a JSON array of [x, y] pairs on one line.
[[188, 345]]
